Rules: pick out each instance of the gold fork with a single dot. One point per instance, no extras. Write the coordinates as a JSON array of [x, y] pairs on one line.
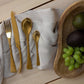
[[8, 33]]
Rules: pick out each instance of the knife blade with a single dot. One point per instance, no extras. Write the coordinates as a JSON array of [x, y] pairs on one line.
[[16, 37]]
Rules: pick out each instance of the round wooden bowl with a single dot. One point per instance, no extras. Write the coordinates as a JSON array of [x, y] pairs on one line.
[[65, 28]]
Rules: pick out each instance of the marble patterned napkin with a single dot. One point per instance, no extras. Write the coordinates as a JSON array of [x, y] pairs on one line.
[[45, 21]]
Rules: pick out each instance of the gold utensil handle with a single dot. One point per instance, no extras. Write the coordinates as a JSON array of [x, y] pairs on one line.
[[38, 61], [29, 63], [19, 48], [12, 63]]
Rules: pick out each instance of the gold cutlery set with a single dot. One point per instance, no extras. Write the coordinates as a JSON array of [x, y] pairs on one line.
[[26, 27]]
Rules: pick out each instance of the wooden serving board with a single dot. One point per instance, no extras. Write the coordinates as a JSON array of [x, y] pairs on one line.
[[65, 28]]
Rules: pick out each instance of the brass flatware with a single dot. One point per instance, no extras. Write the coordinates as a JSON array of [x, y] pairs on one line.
[[36, 36], [26, 27], [16, 37], [8, 33]]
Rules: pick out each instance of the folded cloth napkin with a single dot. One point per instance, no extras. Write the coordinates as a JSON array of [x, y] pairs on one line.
[[44, 21], [4, 55], [1, 57]]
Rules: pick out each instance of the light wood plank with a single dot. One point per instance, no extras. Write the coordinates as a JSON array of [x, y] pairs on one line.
[[3, 2], [17, 5], [58, 4], [34, 76], [78, 80]]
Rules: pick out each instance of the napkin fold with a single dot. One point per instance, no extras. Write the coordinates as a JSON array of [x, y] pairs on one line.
[[44, 21], [1, 56]]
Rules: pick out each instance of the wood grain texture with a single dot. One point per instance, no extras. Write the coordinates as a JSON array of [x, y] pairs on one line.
[[33, 76], [3, 2], [58, 4], [78, 80], [19, 6], [65, 28]]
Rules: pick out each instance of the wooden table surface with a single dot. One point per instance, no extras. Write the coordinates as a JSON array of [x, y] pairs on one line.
[[36, 76]]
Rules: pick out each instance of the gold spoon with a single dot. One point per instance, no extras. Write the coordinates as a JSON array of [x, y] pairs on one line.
[[36, 36], [8, 33], [26, 27]]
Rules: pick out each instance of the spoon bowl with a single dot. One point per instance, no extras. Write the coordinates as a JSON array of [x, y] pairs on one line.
[[26, 26], [36, 36]]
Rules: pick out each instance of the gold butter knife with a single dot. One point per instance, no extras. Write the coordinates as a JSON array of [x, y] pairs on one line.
[[16, 37]]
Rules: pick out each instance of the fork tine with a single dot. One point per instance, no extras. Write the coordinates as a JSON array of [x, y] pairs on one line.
[[7, 26]]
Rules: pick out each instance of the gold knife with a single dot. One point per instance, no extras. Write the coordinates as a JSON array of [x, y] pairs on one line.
[[16, 37]]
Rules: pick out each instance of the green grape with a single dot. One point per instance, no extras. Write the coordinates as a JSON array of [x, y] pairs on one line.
[[77, 48], [82, 49], [80, 61], [78, 53], [64, 55], [76, 57], [72, 61], [77, 65], [67, 63], [71, 67], [83, 57], [67, 59], [69, 52], [70, 48], [65, 50], [76, 60]]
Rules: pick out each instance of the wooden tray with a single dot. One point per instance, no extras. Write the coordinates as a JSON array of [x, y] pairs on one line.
[[65, 28]]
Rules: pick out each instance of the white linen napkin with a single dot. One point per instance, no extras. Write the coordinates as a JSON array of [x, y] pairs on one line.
[[45, 21], [4, 55], [1, 56]]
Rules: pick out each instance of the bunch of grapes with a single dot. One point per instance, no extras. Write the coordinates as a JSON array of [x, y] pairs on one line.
[[73, 57]]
